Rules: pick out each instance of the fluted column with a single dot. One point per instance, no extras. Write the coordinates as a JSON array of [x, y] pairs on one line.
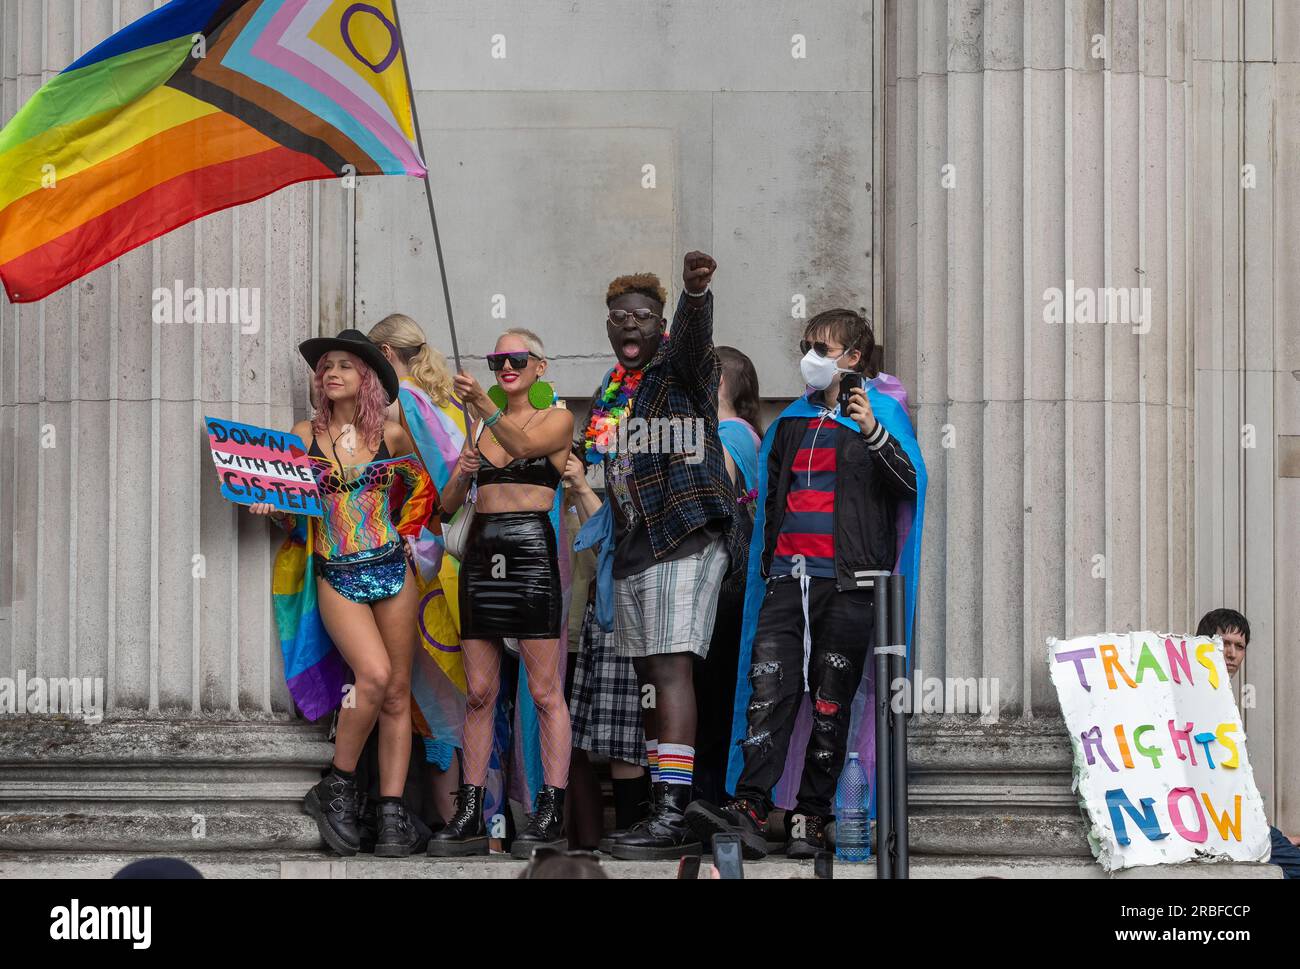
[[118, 557], [1031, 145]]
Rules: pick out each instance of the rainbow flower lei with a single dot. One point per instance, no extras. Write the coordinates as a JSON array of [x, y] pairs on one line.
[[606, 413], [612, 407]]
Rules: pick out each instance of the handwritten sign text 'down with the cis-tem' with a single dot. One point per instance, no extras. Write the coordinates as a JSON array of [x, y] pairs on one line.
[[1159, 752], [257, 464]]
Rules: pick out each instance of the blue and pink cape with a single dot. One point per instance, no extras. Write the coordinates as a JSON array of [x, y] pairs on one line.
[[888, 403]]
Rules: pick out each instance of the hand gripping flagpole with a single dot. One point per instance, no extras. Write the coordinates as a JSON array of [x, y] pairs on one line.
[[428, 189]]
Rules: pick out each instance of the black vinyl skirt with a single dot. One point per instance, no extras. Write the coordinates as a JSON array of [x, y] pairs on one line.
[[517, 595]]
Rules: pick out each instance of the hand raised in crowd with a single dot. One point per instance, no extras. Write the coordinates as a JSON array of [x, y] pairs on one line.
[[262, 508], [469, 390], [697, 271], [859, 410]]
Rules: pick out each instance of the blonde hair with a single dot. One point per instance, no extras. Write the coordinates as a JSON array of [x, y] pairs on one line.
[[425, 365], [531, 339]]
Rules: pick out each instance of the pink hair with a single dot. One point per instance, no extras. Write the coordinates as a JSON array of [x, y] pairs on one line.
[[372, 403]]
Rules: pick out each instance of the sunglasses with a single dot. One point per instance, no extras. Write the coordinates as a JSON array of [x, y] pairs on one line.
[[619, 317], [823, 350], [517, 359]]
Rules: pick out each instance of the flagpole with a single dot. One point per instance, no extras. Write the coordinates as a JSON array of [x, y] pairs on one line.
[[428, 189]]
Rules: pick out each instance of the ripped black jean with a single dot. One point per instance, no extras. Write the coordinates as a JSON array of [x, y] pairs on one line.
[[842, 628]]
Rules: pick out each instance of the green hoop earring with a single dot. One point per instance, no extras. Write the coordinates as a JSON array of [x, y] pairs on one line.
[[541, 395], [497, 396]]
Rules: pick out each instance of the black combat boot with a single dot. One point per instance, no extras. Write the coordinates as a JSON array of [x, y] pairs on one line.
[[399, 835], [465, 833], [545, 827], [333, 803], [738, 816], [665, 836], [606, 844]]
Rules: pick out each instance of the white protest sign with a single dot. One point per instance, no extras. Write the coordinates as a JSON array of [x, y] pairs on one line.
[[1160, 759]]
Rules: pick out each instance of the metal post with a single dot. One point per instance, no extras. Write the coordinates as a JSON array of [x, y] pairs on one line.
[[898, 663], [884, 798]]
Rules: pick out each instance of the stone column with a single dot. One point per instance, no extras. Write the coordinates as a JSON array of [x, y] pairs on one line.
[[119, 559], [1034, 145]]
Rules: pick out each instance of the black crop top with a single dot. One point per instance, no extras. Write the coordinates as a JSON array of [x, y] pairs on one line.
[[534, 471]]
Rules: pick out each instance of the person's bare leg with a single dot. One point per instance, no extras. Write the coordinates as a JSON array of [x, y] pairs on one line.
[[483, 675], [396, 618], [351, 625]]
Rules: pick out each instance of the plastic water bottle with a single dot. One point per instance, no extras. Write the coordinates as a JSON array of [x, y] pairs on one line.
[[852, 826]]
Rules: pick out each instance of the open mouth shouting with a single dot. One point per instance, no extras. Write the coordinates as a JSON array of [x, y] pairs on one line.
[[634, 345]]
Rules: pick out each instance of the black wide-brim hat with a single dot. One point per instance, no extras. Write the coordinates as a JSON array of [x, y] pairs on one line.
[[353, 341]]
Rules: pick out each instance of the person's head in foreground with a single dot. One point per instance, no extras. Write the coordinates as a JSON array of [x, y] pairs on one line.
[[553, 863], [1233, 628]]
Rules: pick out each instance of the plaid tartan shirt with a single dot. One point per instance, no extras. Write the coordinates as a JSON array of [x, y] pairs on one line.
[[674, 496]]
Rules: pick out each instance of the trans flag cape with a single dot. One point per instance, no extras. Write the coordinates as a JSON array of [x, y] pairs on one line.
[[314, 670], [197, 106], [438, 683], [887, 403]]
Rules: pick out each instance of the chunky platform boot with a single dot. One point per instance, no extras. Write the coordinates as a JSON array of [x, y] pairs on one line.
[[465, 834], [333, 803], [545, 827], [399, 834]]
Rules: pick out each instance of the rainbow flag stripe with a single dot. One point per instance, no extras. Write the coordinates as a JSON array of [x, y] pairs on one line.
[[196, 107]]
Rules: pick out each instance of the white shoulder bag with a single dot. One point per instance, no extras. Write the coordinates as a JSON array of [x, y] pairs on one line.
[[456, 535]]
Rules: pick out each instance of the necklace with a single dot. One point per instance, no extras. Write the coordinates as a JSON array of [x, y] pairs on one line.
[[522, 428], [614, 405], [346, 433]]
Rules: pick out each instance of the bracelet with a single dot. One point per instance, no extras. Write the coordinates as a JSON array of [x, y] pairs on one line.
[[488, 422]]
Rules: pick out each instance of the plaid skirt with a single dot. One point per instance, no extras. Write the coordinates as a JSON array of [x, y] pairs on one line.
[[605, 702]]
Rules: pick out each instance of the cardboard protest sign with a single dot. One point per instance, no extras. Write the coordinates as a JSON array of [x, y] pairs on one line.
[[1160, 759], [257, 464]]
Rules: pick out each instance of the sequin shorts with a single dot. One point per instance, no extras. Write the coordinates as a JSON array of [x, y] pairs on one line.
[[368, 576]]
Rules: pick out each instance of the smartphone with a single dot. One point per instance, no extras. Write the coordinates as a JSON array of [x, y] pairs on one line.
[[689, 866], [847, 382], [824, 864], [726, 856]]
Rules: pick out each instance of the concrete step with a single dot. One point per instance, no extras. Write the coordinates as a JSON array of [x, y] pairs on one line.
[[319, 864]]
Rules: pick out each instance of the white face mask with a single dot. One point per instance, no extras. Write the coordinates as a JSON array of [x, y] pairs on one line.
[[818, 371]]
